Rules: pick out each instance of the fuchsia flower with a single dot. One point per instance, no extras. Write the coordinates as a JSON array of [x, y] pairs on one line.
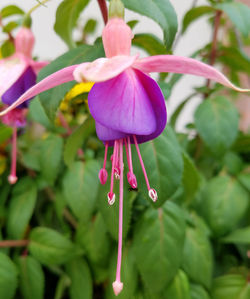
[[127, 105], [18, 74]]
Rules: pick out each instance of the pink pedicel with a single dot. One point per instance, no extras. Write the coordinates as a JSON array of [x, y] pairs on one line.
[[12, 178], [117, 163], [116, 38], [24, 42]]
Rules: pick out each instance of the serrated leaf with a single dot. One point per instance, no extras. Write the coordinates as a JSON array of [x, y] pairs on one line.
[[158, 244], [76, 139], [195, 13], [161, 11], [198, 292], [80, 188], [81, 281], [50, 247], [163, 162], [8, 277], [150, 43], [52, 98], [178, 288], [231, 286], [50, 157], [224, 203], [11, 10], [197, 257], [217, 122], [66, 17], [238, 13], [21, 208], [239, 236], [31, 278], [190, 179]]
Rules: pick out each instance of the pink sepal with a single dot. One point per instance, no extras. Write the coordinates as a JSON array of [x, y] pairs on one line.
[[183, 65], [103, 69], [57, 78]]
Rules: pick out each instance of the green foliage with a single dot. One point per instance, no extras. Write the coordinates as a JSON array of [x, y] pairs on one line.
[[66, 17], [31, 278]]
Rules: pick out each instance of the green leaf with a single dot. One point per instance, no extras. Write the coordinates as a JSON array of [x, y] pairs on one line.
[[198, 292], [76, 139], [90, 26], [217, 122], [37, 114], [22, 205], [238, 13], [231, 286], [178, 288], [66, 18], [93, 237], [8, 277], [5, 133], [7, 48], [197, 257], [224, 203], [52, 98], [194, 14], [242, 144], [150, 43], [81, 281], [190, 179], [158, 245], [161, 11], [164, 164], [10, 26], [110, 214], [11, 10], [239, 236], [244, 179], [80, 188], [50, 247], [51, 157], [31, 278]]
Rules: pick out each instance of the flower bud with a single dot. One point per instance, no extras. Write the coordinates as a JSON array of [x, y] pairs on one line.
[[24, 42]]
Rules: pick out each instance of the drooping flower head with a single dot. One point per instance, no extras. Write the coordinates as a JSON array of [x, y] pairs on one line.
[[18, 74], [126, 103]]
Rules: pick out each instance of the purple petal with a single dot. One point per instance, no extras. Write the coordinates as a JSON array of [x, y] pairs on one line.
[[27, 79], [122, 104], [105, 96]]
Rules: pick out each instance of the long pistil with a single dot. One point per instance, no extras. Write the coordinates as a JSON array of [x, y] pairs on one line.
[[117, 284], [12, 178], [151, 192]]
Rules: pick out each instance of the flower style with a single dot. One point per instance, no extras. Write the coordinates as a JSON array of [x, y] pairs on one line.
[[127, 105], [18, 74]]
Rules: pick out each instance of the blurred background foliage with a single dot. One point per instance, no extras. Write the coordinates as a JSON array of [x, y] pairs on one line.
[[58, 234]]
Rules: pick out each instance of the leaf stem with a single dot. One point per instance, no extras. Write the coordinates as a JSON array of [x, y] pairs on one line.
[[14, 243], [40, 3], [104, 10]]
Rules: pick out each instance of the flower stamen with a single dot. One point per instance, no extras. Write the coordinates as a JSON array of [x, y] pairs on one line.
[[111, 195], [130, 175], [151, 192], [103, 174]]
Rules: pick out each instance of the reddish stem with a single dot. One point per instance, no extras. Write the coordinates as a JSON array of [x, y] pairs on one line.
[[14, 243], [104, 10]]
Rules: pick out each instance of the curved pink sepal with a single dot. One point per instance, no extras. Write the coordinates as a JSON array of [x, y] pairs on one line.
[[10, 70], [57, 78], [183, 65], [103, 69]]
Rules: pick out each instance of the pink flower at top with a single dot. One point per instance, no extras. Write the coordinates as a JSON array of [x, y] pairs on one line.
[[126, 103], [18, 74]]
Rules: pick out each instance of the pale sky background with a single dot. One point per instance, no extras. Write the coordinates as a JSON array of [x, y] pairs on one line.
[[49, 45]]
